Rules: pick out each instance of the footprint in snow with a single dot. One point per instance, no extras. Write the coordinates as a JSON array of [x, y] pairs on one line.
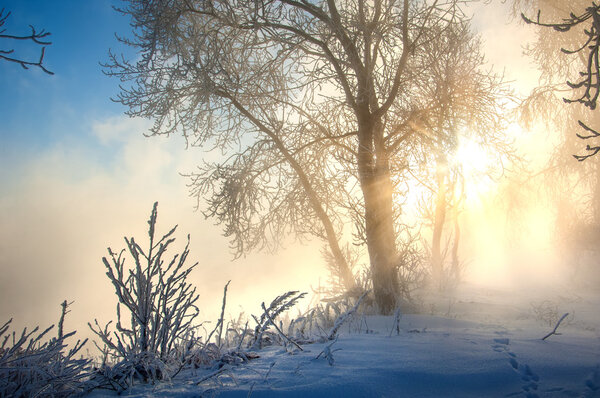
[[592, 384], [530, 379], [501, 345]]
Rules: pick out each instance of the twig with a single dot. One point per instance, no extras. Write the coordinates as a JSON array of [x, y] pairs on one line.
[[251, 389], [396, 326], [239, 346], [342, 318], [212, 374], [268, 372], [556, 327], [35, 37], [279, 330], [328, 352], [64, 312], [222, 318]]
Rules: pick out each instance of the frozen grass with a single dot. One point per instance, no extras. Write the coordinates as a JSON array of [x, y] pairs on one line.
[[33, 364]]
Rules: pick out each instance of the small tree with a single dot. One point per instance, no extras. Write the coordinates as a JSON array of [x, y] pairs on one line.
[[311, 103], [8, 53], [160, 301]]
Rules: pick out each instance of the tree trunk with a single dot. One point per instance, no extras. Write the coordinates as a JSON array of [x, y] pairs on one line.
[[438, 223], [596, 195], [455, 260], [376, 186], [345, 273]]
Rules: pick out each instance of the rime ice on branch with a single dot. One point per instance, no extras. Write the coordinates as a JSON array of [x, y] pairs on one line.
[[160, 303]]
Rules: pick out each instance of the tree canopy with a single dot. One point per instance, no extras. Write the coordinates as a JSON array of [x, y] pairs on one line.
[[315, 109]]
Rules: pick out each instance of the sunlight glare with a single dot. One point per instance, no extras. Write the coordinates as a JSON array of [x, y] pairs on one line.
[[476, 165]]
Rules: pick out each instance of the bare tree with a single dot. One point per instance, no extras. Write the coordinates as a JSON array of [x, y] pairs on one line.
[[468, 109], [308, 101], [8, 53]]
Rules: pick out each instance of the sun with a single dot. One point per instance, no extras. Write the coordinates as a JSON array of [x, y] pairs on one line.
[[477, 167], [471, 156]]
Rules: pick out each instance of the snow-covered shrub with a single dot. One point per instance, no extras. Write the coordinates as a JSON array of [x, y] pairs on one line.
[[412, 264], [322, 322], [345, 317], [549, 312], [262, 334], [30, 367], [223, 345], [545, 311], [161, 307], [313, 325]]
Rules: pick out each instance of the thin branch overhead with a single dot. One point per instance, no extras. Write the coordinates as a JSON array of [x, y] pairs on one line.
[[589, 84], [7, 51]]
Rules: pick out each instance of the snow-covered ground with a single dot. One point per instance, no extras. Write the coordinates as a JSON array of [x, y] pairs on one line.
[[479, 343]]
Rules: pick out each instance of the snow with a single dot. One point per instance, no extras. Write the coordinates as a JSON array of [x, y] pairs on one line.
[[480, 343]]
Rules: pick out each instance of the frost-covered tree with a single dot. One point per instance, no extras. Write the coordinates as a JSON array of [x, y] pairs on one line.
[[467, 108], [313, 105]]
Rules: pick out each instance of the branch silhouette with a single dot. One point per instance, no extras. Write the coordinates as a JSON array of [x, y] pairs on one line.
[[589, 78], [8, 54]]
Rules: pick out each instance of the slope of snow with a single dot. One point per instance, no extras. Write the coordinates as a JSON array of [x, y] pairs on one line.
[[479, 347]]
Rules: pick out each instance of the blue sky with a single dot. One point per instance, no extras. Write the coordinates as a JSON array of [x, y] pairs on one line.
[[39, 109]]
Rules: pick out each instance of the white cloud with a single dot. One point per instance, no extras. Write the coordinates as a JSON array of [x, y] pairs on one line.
[[119, 129]]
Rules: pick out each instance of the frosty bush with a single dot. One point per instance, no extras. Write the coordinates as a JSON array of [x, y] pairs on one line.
[[545, 311], [32, 368], [262, 335], [161, 307]]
